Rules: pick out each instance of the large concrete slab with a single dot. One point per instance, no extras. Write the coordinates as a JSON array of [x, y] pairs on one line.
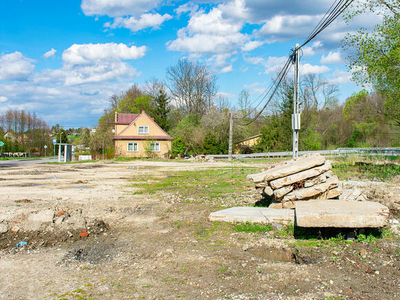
[[340, 214], [301, 164], [254, 215]]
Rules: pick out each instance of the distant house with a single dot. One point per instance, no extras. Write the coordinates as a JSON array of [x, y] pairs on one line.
[[14, 137], [246, 145], [137, 135]]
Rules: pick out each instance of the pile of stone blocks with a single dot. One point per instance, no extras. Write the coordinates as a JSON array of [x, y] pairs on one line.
[[308, 177]]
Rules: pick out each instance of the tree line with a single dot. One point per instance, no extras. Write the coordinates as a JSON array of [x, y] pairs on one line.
[[26, 132]]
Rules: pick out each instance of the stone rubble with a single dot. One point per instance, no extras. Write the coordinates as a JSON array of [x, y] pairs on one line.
[[308, 177]]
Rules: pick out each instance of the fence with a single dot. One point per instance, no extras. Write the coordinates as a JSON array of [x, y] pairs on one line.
[[337, 152]]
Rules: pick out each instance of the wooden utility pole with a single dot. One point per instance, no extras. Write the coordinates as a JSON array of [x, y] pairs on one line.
[[296, 110], [230, 136]]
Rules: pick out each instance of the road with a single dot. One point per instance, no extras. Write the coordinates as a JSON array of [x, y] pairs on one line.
[[17, 162]]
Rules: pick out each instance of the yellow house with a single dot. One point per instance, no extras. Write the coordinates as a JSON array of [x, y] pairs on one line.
[[137, 135], [247, 143]]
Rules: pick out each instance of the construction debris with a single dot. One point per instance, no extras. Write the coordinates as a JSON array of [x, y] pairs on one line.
[[308, 177]]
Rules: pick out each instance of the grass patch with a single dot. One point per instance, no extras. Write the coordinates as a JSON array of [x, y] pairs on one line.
[[252, 227], [366, 168], [210, 183]]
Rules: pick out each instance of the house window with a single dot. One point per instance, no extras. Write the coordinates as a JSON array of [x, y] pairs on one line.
[[143, 129], [155, 147], [132, 147]]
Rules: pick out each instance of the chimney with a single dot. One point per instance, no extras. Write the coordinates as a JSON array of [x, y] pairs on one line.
[[116, 117], [143, 112]]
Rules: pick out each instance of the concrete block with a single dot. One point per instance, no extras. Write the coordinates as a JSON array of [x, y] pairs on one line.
[[311, 192], [340, 214], [253, 215], [300, 176], [301, 164]]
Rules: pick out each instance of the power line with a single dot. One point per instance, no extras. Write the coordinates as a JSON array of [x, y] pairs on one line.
[[336, 9]]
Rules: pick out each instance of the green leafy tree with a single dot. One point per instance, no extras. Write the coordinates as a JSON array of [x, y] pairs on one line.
[[375, 56], [276, 134], [178, 147]]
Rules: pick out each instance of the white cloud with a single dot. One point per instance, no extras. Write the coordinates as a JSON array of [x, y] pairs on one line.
[[205, 43], [99, 72], [235, 9], [312, 69], [272, 64], [15, 66], [216, 33], [227, 69], [285, 27], [332, 58], [340, 77], [3, 99], [310, 51], [146, 21], [90, 53], [92, 63], [250, 46], [188, 7], [117, 8], [50, 53]]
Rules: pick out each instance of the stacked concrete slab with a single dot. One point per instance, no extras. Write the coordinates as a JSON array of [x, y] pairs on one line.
[[308, 177]]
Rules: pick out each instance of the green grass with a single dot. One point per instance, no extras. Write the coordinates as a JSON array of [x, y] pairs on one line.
[[365, 170], [252, 227], [210, 183]]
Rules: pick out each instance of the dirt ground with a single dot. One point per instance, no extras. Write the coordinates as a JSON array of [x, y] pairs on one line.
[[162, 246]]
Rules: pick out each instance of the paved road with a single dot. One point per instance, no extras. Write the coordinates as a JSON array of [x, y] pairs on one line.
[[18, 162]]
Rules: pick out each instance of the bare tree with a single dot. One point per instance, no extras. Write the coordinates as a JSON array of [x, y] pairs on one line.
[[318, 92], [192, 86]]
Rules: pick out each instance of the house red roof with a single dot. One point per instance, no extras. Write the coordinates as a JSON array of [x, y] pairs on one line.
[[141, 137], [125, 119]]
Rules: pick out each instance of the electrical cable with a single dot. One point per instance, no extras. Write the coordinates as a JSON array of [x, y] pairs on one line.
[[336, 9]]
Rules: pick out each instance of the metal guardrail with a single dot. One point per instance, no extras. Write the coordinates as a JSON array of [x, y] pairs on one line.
[[337, 152]]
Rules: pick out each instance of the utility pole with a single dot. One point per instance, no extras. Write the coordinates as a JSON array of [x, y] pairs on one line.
[[296, 110], [230, 136]]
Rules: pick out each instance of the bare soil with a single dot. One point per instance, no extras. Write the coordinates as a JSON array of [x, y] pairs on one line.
[[162, 246]]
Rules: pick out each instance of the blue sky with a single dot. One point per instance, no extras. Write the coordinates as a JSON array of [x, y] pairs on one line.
[[63, 60]]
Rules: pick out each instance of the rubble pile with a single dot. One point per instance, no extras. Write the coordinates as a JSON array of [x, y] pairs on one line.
[[308, 177]]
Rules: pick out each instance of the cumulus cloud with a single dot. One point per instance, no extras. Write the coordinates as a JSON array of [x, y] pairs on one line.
[[227, 69], [216, 33], [50, 53], [250, 46], [89, 53], [310, 51], [146, 21], [3, 99], [188, 7], [281, 28], [15, 66], [340, 77], [332, 58], [93, 63], [272, 65], [312, 69], [117, 8]]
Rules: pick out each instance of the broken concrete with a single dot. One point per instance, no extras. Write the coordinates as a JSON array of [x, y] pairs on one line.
[[301, 164], [280, 182], [341, 214], [3, 228], [42, 217], [307, 193], [253, 215]]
